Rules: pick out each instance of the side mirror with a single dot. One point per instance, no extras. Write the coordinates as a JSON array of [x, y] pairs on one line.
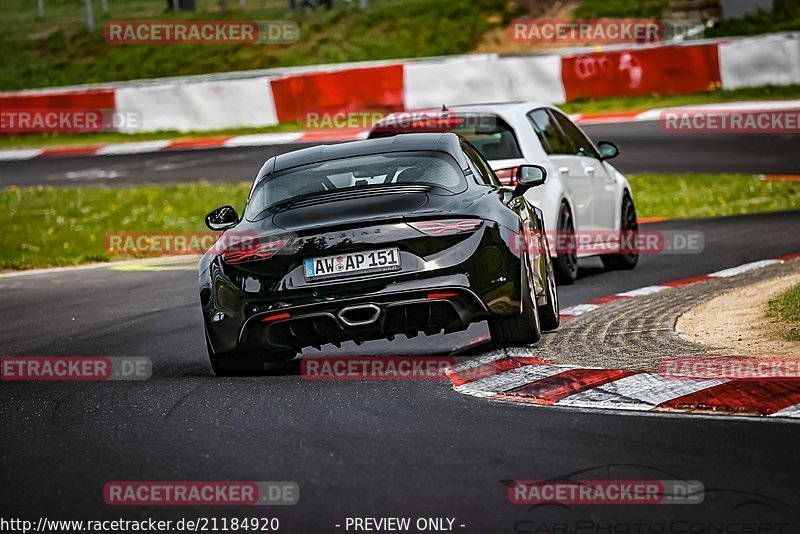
[[607, 150], [529, 176], [222, 218]]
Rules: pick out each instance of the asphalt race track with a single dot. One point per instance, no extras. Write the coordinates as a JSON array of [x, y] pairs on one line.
[[360, 449], [644, 147], [368, 449]]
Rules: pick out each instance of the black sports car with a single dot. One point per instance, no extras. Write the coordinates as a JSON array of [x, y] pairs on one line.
[[370, 239]]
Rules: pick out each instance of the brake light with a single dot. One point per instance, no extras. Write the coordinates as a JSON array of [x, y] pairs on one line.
[[276, 317], [507, 176], [435, 122], [447, 227], [262, 251], [442, 295]]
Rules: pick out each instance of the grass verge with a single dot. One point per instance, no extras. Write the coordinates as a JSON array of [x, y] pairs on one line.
[[60, 51], [786, 309], [56, 227], [683, 196], [784, 16]]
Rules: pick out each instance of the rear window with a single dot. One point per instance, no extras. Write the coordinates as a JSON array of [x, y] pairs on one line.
[[490, 134], [432, 168]]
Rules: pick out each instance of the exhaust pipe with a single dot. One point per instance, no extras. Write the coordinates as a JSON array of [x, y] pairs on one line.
[[359, 315]]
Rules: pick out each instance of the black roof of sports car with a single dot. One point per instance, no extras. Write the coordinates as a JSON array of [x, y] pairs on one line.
[[438, 142]]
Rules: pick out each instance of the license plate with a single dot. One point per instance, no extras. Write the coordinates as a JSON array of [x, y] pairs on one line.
[[351, 263]]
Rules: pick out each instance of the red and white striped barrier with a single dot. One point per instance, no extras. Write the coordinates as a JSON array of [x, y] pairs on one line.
[[197, 104], [476, 79]]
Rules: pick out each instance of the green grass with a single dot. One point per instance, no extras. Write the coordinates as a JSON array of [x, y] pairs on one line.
[[48, 227], [54, 227], [593, 9], [786, 309], [785, 16], [60, 50], [682, 196]]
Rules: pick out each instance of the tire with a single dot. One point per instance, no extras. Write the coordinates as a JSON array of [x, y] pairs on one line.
[[519, 329], [235, 363], [629, 255], [240, 362], [565, 265], [550, 314]]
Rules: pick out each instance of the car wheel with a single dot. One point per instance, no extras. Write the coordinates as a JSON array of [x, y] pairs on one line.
[[236, 363], [566, 263], [242, 362], [550, 314], [628, 255], [518, 329]]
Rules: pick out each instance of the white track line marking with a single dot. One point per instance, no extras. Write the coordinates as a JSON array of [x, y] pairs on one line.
[[21, 154], [580, 309], [733, 271], [642, 291], [263, 139], [132, 148]]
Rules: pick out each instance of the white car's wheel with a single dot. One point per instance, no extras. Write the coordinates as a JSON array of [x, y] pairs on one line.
[[628, 256], [566, 263]]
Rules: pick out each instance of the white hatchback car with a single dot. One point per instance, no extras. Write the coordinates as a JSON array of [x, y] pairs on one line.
[[584, 198]]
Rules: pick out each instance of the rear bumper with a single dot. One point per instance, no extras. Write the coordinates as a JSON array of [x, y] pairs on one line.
[[245, 309], [362, 319]]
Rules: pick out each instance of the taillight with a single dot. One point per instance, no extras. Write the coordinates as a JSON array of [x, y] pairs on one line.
[[276, 317], [447, 226], [434, 296], [507, 176], [437, 124], [262, 251]]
